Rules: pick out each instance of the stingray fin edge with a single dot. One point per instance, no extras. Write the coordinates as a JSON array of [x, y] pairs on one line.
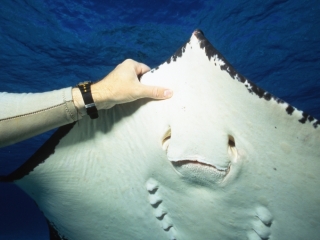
[[39, 156]]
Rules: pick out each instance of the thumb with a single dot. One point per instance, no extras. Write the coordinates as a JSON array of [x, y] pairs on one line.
[[155, 92]]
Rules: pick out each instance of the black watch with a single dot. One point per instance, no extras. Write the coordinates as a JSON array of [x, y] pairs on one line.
[[85, 89]]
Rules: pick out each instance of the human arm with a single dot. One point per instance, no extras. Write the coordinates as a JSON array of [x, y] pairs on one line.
[[26, 115]]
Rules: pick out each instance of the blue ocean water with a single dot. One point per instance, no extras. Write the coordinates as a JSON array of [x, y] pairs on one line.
[[50, 44]]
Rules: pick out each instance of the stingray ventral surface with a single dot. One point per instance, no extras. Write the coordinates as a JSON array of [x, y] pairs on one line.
[[221, 159]]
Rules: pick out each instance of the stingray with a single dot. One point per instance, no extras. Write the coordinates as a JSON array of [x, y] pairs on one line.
[[221, 159]]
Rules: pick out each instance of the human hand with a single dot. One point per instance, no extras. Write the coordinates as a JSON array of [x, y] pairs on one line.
[[122, 85]]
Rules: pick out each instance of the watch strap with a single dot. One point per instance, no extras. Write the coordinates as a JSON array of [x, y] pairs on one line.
[[85, 89]]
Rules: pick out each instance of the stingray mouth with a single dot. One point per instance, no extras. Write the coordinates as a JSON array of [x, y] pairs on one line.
[[199, 172]]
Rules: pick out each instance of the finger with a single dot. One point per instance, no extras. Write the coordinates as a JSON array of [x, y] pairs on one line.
[[155, 92], [140, 68]]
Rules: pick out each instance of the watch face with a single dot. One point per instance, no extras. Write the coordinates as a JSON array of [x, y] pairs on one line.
[[82, 84]]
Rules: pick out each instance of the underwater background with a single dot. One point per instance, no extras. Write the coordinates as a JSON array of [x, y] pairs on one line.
[[51, 44]]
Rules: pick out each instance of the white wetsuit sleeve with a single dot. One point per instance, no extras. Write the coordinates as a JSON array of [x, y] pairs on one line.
[[28, 114]]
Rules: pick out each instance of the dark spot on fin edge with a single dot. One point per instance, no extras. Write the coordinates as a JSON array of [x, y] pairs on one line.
[[39, 156], [304, 117], [178, 53], [290, 110]]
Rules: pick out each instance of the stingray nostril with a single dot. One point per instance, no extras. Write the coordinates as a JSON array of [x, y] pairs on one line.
[[231, 141], [232, 147], [166, 139]]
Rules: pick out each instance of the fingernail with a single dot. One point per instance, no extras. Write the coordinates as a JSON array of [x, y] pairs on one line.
[[168, 93]]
